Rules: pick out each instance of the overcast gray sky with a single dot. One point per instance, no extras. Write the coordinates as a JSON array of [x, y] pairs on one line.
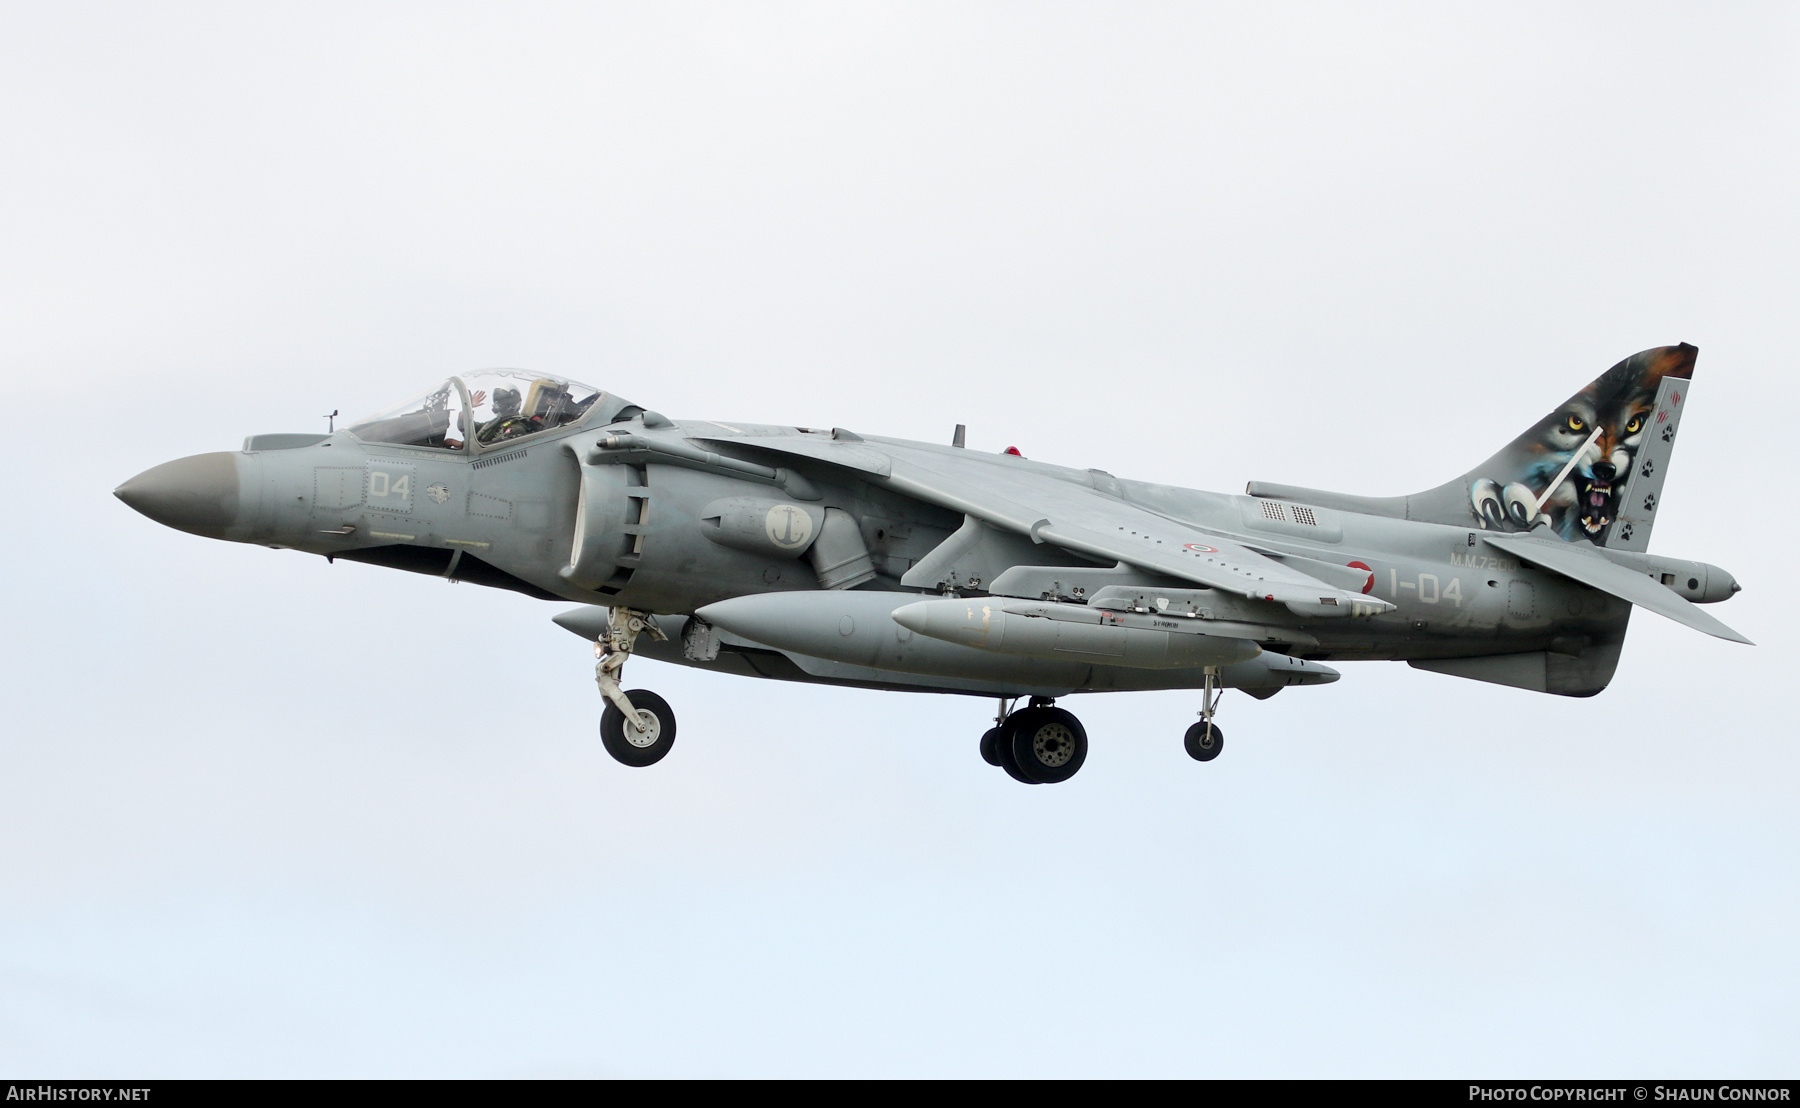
[[264, 816]]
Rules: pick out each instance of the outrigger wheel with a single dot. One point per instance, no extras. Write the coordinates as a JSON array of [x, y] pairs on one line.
[[1204, 741], [1046, 745], [632, 745]]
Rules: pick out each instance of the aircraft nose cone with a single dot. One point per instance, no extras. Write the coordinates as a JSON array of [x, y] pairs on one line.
[[198, 495]]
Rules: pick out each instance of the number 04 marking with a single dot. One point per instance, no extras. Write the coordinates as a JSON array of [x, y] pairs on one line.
[[1427, 586], [383, 484]]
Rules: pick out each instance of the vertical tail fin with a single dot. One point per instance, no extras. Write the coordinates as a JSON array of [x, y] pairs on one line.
[[1592, 469]]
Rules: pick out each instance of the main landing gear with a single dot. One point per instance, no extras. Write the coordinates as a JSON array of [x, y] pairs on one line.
[[1204, 740], [637, 727], [1040, 744]]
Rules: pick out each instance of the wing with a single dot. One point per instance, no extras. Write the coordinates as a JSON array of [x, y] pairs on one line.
[[1010, 494], [1592, 570]]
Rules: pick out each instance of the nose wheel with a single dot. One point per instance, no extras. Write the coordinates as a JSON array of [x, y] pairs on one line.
[[643, 738], [1037, 745], [637, 728]]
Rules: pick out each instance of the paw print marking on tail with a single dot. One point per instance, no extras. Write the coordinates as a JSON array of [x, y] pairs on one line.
[[1668, 433], [1625, 533], [1649, 468], [1650, 503]]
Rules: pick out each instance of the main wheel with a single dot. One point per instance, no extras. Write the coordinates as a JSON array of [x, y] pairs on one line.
[[1003, 747], [1047, 744], [990, 747], [1204, 745], [630, 745]]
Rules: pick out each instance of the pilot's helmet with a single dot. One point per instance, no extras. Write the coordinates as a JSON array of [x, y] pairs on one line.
[[506, 401]]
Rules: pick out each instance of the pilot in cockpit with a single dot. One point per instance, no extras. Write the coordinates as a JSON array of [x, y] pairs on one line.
[[508, 422], [522, 405]]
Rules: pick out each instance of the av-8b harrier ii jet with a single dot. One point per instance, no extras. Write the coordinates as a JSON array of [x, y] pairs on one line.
[[825, 556]]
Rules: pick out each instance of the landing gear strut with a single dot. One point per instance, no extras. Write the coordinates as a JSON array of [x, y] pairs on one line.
[[1204, 740], [1038, 745], [637, 727], [990, 739]]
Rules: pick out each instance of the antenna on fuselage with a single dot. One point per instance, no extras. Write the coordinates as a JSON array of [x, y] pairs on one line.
[[331, 422]]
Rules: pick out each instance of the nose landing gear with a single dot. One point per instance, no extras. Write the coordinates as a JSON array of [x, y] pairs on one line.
[[637, 728], [1037, 745]]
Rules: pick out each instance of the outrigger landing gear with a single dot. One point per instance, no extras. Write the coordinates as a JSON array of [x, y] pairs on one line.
[[990, 739], [1204, 740], [637, 727], [1038, 745]]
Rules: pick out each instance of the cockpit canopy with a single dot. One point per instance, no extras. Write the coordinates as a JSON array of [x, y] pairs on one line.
[[488, 409]]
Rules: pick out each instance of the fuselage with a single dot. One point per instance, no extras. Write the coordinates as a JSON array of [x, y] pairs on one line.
[[520, 515]]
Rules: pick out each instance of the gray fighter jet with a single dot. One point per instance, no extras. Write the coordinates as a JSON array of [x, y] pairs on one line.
[[800, 554]]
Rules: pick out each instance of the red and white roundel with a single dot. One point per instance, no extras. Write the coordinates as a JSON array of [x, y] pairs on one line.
[[1371, 581], [1198, 549]]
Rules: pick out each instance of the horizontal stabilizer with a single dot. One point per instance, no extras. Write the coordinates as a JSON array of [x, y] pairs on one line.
[[1595, 571]]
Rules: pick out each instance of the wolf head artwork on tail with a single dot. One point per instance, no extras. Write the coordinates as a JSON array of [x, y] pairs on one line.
[[1592, 468]]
